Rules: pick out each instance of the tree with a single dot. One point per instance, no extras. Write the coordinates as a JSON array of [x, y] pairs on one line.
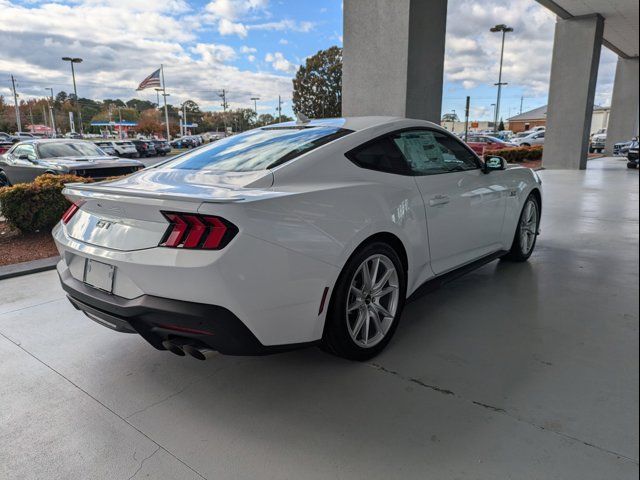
[[501, 126], [450, 118], [149, 122], [317, 86], [140, 105]]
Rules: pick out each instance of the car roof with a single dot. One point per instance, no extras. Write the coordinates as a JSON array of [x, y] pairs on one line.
[[350, 123]]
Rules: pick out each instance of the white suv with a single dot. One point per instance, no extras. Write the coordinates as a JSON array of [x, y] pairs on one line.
[[124, 148]]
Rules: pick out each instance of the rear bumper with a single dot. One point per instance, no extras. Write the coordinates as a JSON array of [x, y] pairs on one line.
[[158, 319]]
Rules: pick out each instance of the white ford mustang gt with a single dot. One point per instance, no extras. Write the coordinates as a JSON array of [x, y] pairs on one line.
[[297, 233]]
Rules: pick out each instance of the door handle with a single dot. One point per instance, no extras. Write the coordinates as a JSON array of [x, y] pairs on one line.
[[439, 200]]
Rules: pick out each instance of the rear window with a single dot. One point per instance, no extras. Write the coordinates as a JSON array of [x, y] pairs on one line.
[[258, 149]]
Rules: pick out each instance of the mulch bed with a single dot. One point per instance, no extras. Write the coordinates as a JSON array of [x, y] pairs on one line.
[[16, 248]]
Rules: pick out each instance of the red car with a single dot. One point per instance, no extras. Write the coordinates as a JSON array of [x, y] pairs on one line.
[[483, 143]]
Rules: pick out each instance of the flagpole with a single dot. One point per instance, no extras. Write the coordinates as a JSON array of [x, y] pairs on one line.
[[164, 95]]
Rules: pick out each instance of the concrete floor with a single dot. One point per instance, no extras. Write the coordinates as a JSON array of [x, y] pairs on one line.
[[514, 371]]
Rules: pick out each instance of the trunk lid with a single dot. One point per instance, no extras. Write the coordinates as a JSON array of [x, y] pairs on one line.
[[126, 214]]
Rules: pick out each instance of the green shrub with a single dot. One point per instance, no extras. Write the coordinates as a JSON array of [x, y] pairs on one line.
[[38, 205], [520, 154]]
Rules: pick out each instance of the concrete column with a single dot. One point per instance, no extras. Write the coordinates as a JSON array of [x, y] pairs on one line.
[[623, 120], [394, 58], [574, 71]]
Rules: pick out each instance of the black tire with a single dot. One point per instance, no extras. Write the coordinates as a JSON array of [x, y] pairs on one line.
[[336, 338], [517, 253], [525, 144], [591, 150], [4, 181], [629, 165]]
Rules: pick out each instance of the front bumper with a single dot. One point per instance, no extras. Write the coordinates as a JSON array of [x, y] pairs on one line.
[[158, 319]]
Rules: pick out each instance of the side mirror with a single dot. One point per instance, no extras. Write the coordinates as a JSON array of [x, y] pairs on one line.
[[494, 163], [24, 156]]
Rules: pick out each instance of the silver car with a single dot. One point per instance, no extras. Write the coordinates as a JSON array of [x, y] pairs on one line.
[[534, 138]]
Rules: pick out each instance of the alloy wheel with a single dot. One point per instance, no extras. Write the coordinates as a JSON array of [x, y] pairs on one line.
[[372, 301], [528, 226]]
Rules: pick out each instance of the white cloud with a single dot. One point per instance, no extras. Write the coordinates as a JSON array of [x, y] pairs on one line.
[[246, 49], [283, 41], [227, 27], [121, 45], [234, 9], [251, 58], [279, 62], [212, 53], [284, 25]]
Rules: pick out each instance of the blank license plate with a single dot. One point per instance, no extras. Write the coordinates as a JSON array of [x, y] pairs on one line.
[[99, 275]]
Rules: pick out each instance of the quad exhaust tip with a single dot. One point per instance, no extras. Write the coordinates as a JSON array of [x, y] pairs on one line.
[[197, 352], [181, 349], [173, 348]]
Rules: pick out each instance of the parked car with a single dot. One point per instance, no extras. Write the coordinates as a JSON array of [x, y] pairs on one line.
[[597, 143], [162, 147], [74, 135], [632, 155], [5, 146], [483, 143], [122, 148], [125, 148], [5, 137], [183, 142], [108, 148], [29, 159], [535, 138], [621, 149], [290, 235], [20, 136], [145, 148]]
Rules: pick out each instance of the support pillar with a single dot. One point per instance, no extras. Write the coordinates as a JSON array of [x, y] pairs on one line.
[[394, 58], [623, 119], [574, 71]]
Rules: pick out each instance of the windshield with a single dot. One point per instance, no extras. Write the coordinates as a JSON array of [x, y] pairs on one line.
[[258, 149], [69, 149]]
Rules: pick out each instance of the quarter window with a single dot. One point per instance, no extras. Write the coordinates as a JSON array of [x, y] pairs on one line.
[[380, 155], [432, 153]]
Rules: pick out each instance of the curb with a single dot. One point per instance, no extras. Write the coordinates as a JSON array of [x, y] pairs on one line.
[[27, 268]]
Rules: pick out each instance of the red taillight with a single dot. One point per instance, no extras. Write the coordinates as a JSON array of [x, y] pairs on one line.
[[190, 230], [71, 211]]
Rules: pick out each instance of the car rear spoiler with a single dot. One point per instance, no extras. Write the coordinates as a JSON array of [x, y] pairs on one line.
[[105, 192]]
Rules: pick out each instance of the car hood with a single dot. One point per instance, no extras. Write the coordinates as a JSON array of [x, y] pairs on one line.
[[90, 162]]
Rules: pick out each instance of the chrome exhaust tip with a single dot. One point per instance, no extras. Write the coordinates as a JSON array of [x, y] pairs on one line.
[[199, 353], [173, 348]]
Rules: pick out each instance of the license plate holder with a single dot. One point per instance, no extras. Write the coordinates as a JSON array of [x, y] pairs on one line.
[[99, 275]]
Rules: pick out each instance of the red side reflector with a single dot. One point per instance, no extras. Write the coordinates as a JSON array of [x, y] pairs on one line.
[[324, 299], [71, 211]]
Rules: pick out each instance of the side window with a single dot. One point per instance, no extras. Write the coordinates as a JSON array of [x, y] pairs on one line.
[[432, 153], [24, 150], [380, 155], [540, 135]]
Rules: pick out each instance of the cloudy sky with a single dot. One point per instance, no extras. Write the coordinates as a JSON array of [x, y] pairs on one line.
[[252, 48]]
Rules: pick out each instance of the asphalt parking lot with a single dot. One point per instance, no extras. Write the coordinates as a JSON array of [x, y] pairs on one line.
[[523, 371]]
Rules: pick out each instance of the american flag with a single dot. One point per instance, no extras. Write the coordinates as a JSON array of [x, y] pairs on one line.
[[152, 80]]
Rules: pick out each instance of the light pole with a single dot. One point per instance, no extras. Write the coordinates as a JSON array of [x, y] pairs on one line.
[[504, 29], [255, 105], [75, 90], [53, 120], [158, 90], [453, 121], [494, 115]]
